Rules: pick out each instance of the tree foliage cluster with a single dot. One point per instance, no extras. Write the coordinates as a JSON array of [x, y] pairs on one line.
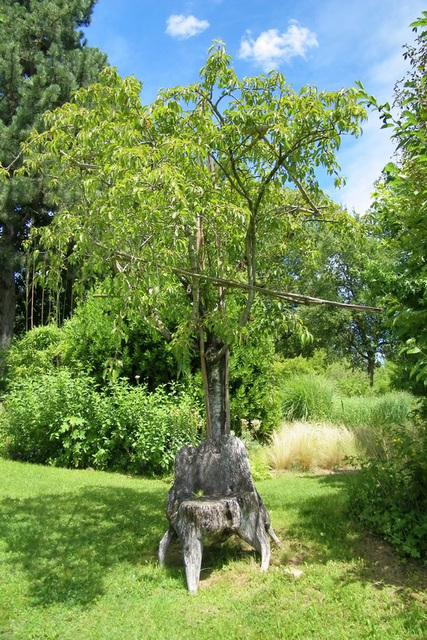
[[187, 207], [399, 211]]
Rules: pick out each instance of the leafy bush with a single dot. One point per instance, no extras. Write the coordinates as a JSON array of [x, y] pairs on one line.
[[300, 366], [348, 381], [307, 397], [37, 352], [98, 341], [64, 420], [390, 495], [36, 409]]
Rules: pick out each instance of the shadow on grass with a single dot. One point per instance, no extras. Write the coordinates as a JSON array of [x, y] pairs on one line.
[[330, 535], [66, 543]]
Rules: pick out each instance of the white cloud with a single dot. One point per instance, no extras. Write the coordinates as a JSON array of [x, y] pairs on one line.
[[183, 27], [272, 48]]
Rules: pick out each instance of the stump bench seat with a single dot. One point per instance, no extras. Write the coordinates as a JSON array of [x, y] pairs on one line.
[[213, 492]]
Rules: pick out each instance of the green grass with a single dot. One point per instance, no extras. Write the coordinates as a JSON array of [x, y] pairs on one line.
[[78, 560]]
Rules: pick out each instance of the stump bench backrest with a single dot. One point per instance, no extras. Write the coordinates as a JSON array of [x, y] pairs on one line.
[[218, 467]]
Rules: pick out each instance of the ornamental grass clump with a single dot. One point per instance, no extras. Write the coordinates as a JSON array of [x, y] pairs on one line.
[[307, 397], [305, 446]]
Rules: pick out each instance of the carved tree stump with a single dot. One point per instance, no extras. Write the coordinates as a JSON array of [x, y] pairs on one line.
[[214, 492]]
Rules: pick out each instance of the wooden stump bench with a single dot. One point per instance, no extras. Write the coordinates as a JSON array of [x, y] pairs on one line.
[[214, 492]]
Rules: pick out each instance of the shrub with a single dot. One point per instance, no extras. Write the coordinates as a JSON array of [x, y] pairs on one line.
[[390, 495], [64, 420], [348, 382], [98, 341], [307, 397], [300, 366], [36, 410], [307, 446], [153, 426], [37, 352]]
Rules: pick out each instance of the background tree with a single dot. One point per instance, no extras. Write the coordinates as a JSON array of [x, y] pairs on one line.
[[43, 59], [191, 202], [346, 265]]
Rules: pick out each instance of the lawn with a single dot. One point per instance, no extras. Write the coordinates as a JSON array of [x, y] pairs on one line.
[[78, 561]]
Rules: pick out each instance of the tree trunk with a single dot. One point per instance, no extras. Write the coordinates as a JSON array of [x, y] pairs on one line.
[[7, 312], [215, 382], [7, 296], [371, 368]]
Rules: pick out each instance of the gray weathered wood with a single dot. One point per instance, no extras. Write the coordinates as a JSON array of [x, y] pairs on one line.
[[214, 492]]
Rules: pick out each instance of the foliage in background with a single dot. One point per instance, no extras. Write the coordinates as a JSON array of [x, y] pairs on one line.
[[97, 341], [307, 397], [254, 389], [348, 379], [63, 419], [344, 267], [373, 411]]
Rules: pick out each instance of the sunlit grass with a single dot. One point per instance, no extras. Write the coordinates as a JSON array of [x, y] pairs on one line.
[[78, 557], [304, 446]]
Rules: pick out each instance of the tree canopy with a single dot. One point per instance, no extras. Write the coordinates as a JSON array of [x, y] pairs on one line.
[[186, 207]]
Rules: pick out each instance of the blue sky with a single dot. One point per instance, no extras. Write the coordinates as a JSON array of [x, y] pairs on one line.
[[327, 43]]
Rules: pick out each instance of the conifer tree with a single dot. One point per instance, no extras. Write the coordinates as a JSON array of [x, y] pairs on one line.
[[43, 60]]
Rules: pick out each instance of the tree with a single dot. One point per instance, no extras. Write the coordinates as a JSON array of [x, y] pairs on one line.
[[43, 59], [191, 202], [400, 206], [347, 266]]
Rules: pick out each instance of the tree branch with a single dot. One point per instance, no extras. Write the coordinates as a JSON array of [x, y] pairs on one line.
[[81, 165], [296, 298]]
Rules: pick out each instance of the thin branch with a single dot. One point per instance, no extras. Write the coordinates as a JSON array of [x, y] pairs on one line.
[[303, 192], [296, 298], [81, 165]]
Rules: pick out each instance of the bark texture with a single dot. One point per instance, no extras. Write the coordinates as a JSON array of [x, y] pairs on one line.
[[214, 492], [217, 371]]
